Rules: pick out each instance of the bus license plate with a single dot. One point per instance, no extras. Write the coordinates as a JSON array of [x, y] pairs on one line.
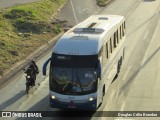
[[71, 106]]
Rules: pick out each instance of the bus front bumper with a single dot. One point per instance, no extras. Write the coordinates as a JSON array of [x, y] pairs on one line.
[[87, 105]]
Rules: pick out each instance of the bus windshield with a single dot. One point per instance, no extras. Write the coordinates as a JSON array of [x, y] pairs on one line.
[[74, 81], [72, 78]]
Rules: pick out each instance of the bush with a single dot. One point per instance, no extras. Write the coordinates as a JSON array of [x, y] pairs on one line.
[[57, 29], [26, 21], [102, 3], [31, 26], [20, 14]]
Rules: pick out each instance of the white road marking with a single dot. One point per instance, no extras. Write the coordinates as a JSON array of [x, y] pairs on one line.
[[123, 105], [126, 73], [145, 56], [145, 36], [74, 13], [86, 11], [133, 8]]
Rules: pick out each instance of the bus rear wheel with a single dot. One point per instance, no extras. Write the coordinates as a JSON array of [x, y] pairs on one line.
[[103, 93], [119, 64]]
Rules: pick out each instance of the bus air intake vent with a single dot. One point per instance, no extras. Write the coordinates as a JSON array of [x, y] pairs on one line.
[[91, 25], [79, 38], [88, 30], [103, 18]]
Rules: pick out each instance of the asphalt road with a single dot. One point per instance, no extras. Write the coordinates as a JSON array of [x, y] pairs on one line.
[[137, 86], [9, 3], [78, 10]]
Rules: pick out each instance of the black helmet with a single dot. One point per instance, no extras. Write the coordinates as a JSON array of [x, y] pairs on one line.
[[33, 61]]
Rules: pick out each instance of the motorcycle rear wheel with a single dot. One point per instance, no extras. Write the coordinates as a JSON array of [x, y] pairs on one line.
[[27, 88]]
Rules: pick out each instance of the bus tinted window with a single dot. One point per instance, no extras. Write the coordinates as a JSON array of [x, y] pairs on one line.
[[74, 61], [107, 50], [117, 37], [115, 40], [111, 44], [120, 32]]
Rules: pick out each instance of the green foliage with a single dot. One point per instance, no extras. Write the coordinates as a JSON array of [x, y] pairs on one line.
[[57, 29], [102, 3], [25, 20], [23, 14], [24, 28], [32, 26]]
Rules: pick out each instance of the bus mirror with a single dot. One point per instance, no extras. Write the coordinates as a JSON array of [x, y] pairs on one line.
[[45, 66]]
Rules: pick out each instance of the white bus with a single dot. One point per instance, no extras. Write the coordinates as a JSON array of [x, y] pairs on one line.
[[85, 61]]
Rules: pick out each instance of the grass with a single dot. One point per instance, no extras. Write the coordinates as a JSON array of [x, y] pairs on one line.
[[102, 3], [24, 28]]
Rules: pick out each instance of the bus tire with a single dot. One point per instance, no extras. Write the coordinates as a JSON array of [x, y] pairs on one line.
[[121, 59], [103, 92], [118, 66]]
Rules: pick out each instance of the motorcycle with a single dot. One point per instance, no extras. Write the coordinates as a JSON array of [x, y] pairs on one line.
[[29, 83]]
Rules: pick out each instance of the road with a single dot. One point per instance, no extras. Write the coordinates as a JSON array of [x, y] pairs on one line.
[[137, 86], [79, 10], [9, 3]]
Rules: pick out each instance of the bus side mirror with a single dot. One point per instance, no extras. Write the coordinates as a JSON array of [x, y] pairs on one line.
[[99, 70], [45, 66]]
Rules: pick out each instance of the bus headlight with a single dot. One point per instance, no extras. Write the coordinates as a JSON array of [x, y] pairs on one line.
[[53, 97], [91, 99]]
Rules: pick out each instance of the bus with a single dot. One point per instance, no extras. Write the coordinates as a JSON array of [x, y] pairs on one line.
[[84, 62]]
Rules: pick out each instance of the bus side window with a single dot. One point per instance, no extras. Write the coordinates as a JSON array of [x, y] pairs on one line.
[[109, 49], [117, 37], [107, 52], [112, 38], [115, 40], [100, 55], [120, 32], [124, 27], [111, 44]]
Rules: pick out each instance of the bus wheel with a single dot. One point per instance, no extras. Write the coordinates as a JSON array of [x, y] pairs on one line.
[[118, 67], [103, 93], [121, 59], [115, 77]]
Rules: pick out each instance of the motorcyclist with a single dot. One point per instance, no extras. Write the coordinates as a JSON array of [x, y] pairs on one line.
[[33, 68]]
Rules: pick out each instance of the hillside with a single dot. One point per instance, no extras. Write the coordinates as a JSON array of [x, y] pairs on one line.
[[24, 28]]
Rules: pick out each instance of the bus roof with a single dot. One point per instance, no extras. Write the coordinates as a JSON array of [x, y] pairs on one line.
[[87, 37]]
